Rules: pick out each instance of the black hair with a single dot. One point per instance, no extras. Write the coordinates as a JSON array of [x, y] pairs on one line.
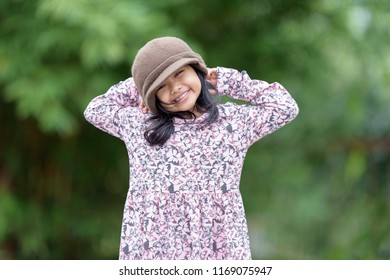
[[162, 126]]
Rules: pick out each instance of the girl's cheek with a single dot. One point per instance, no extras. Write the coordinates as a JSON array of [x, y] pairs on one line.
[[161, 97], [165, 97]]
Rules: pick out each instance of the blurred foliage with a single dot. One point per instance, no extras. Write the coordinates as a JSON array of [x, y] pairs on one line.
[[317, 189]]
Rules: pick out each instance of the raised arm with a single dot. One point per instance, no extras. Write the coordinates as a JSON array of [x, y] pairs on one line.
[[271, 105], [104, 111]]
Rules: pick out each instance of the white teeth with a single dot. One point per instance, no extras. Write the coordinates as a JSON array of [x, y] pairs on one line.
[[180, 97]]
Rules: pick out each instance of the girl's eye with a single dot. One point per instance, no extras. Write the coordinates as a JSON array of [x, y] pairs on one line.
[[160, 87], [179, 72]]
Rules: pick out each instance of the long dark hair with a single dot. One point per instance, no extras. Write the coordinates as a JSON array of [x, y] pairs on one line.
[[162, 127]]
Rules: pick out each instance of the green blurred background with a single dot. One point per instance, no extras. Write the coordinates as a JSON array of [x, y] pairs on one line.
[[317, 189]]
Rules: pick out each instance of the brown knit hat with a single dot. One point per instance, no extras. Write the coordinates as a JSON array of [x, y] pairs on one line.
[[157, 60]]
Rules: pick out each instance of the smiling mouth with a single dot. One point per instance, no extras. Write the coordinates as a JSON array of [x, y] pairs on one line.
[[181, 97]]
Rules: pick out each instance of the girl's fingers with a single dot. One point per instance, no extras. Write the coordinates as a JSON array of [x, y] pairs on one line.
[[143, 107], [212, 76]]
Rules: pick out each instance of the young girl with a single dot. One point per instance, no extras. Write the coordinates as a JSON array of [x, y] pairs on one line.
[[185, 151]]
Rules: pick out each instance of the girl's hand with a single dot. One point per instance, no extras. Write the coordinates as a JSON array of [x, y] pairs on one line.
[[212, 78], [143, 107]]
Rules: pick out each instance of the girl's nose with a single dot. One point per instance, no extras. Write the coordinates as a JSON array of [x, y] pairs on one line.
[[175, 89]]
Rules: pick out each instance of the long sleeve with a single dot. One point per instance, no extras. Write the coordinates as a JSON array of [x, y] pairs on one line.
[[108, 110], [271, 105]]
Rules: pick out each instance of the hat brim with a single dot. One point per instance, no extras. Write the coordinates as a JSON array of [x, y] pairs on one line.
[[151, 93]]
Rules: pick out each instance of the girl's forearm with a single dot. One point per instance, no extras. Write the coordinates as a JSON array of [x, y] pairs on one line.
[[103, 110], [238, 85]]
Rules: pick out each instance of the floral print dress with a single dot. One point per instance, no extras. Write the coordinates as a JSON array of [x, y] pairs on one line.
[[184, 200]]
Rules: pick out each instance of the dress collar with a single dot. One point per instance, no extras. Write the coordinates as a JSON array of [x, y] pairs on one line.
[[191, 121]]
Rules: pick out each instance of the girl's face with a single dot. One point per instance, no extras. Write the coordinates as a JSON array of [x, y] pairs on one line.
[[180, 90]]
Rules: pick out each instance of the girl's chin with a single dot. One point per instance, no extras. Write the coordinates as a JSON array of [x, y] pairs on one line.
[[182, 109], [187, 105]]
